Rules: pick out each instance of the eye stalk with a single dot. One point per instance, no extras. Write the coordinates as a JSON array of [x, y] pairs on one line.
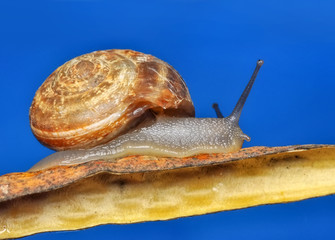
[[235, 115]]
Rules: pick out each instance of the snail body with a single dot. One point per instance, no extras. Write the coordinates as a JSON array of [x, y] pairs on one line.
[[167, 137], [164, 134]]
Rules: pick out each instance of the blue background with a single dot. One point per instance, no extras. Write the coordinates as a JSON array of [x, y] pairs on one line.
[[214, 45]]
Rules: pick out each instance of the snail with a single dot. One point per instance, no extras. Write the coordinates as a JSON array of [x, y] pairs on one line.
[[114, 103]]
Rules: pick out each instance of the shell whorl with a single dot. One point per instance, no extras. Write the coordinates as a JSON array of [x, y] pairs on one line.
[[93, 98]]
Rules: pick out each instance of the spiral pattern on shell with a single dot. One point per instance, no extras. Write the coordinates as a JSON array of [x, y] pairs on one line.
[[95, 97]]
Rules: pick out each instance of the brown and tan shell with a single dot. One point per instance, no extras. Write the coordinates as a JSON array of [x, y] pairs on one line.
[[95, 97]]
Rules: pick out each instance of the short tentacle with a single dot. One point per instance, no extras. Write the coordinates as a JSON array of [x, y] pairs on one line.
[[217, 110]]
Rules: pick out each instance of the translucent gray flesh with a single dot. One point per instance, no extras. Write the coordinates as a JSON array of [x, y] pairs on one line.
[[167, 137]]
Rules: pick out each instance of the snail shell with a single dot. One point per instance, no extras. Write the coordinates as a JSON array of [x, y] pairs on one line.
[[98, 96]]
